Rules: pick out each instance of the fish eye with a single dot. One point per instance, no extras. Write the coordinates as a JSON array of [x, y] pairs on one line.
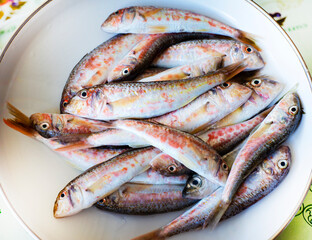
[[224, 166], [62, 195], [293, 110], [125, 71], [248, 50], [225, 85], [44, 126], [256, 82], [282, 164], [83, 94], [172, 168], [196, 182]]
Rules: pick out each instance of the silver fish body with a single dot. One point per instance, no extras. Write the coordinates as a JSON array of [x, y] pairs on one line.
[[144, 100], [101, 180], [143, 199], [190, 51]]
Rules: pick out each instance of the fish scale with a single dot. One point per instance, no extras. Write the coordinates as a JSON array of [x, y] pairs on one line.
[[144, 100], [147, 19], [101, 180], [189, 51]]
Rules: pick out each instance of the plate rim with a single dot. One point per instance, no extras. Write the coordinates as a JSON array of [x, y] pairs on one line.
[[253, 4]]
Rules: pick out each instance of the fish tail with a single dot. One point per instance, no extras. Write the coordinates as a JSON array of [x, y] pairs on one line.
[[12, 123], [19, 116], [249, 39], [233, 69], [74, 146], [154, 235], [221, 208]]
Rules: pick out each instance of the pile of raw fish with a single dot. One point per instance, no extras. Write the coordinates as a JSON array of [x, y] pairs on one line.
[[171, 112]]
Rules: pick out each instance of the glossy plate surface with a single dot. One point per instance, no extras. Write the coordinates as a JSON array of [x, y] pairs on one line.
[[33, 72]]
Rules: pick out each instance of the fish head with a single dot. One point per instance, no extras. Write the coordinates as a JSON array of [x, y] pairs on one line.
[[87, 103], [124, 69], [234, 92], [198, 187], [240, 51], [68, 202], [278, 163], [223, 171], [287, 112], [121, 19], [167, 166], [265, 88], [43, 124]]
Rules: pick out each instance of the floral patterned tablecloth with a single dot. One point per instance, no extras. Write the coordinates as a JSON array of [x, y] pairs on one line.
[[293, 15]]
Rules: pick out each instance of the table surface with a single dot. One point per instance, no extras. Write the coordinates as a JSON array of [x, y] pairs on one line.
[[294, 17]]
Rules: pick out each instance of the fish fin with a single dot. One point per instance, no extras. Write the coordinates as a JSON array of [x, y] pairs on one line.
[[249, 39], [157, 29], [19, 116], [257, 131], [100, 183], [20, 127], [233, 69], [154, 235], [124, 101], [265, 112], [74, 146]]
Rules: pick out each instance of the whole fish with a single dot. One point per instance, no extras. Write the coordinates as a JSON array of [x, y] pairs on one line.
[[224, 139], [101, 180], [273, 131], [232, 50], [197, 68], [258, 184], [143, 199], [148, 19], [265, 90], [93, 68], [153, 177], [80, 159], [143, 54], [144, 100], [191, 151]]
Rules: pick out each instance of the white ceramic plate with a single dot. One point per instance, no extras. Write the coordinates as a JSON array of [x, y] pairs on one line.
[[34, 69]]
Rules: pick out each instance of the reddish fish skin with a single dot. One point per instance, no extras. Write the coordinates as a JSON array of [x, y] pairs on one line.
[[93, 68], [189, 51], [274, 130], [144, 100], [143, 54], [50, 125], [186, 148], [224, 139], [144, 199], [101, 180], [257, 185], [80, 159], [148, 19]]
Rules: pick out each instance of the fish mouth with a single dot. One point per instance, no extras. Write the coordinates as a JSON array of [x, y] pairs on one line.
[[55, 208]]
